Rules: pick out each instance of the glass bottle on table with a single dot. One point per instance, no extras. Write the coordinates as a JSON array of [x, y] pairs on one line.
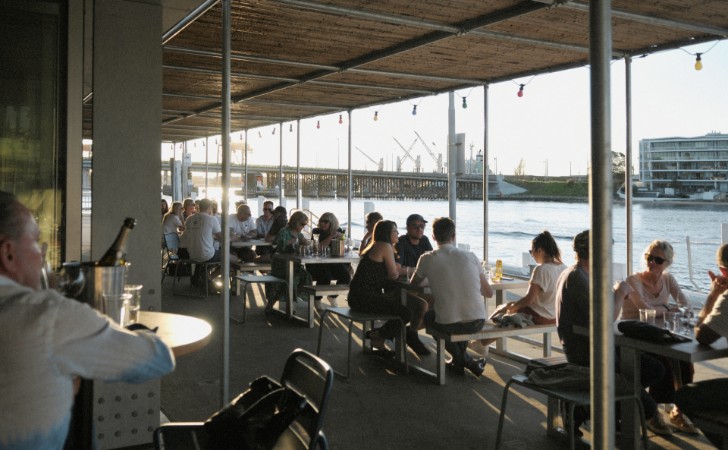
[[115, 255], [498, 272]]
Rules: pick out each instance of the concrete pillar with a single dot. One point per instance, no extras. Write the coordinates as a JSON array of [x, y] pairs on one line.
[[127, 105]]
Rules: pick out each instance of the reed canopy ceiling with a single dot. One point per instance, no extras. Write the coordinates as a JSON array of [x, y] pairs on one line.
[[295, 59]]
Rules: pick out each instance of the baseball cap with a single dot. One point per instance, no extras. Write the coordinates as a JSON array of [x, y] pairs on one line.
[[415, 218]]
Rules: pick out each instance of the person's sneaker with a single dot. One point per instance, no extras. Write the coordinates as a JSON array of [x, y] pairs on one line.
[[476, 366], [657, 425], [332, 301], [679, 421]]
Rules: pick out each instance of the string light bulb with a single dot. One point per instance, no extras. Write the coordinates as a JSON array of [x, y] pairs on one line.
[[520, 90], [465, 103], [376, 115], [414, 110], [341, 120], [274, 131], [290, 128], [318, 124], [260, 135], [698, 62]]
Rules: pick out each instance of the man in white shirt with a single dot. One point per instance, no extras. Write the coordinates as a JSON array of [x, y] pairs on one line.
[[201, 231], [49, 341], [458, 284], [242, 228], [265, 221]]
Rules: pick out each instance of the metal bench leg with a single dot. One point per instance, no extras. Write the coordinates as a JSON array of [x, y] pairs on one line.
[[321, 330], [348, 349], [546, 345], [245, 298], [311, 298], [501, 418], [441, 362]]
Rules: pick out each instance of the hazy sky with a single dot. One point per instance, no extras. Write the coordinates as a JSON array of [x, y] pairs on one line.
[[548, 127]]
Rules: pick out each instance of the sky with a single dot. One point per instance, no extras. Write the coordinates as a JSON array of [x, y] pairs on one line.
[[548, 127]]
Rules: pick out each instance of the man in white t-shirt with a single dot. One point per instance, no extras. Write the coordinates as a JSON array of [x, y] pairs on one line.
[[710, 395], [242, 228], [201, 231], [458, 284]]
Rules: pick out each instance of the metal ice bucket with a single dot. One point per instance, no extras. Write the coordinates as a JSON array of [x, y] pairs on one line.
[[100, 281], [338, 247]]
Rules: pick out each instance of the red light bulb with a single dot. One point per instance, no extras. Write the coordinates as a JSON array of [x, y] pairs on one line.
[[318, 124], [520, 90]]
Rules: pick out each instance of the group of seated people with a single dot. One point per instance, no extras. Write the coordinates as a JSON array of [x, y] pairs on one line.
[[200, 228], [650, 288]]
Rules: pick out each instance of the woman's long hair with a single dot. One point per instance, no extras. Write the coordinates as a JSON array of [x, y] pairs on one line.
[[175, 210], [546, 242], [382, 233], [333, 223]]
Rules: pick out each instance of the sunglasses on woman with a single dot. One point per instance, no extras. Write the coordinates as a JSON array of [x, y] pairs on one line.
[[655, 259]]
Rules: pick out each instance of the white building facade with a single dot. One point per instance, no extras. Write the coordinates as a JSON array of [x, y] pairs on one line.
[[686, 165]]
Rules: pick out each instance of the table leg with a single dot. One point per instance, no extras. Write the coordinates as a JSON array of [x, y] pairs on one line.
[[501, 344], [630, 369], [291, 290]]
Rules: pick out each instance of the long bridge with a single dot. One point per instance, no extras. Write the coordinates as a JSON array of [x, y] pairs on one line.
[[329, 183]]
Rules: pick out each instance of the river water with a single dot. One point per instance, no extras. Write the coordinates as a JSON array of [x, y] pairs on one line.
[[514, 223]]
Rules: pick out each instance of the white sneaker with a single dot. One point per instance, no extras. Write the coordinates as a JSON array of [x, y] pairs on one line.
[[332, 300], [658, 426]]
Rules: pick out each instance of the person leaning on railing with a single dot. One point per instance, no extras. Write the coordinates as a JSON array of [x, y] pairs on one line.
[[48, 341], [710, 395]]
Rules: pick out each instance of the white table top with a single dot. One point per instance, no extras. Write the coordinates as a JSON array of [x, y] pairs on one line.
[[504, 285], [250, 243]]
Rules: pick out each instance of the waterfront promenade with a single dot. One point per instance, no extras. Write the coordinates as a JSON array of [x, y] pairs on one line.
[[377, 407]]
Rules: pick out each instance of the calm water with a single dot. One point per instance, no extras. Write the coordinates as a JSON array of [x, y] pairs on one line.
[[514, 223]]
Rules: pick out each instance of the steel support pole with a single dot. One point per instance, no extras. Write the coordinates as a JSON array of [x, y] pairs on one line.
[[280, 172], [485, 173], [224, 246], [299, 187], [245, 170], [349, 181], [600, 245], [452, 187], [628, 161]]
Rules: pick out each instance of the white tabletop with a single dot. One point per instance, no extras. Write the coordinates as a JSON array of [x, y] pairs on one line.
[[250, 243]]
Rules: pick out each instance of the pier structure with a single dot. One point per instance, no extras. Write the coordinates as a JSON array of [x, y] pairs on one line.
[[332, 183]]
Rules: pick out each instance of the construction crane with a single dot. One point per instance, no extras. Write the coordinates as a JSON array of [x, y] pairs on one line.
[[380, 164], [438, 159], [417, 161]]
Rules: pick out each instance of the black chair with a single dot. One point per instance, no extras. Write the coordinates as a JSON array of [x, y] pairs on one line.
[[305, 373], [174, 262]]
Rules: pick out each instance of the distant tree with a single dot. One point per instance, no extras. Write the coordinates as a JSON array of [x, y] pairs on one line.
[[520, 169], [618, 164]]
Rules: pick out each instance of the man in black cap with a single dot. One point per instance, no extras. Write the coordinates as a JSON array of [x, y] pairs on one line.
[[413, 244], [409, 249]]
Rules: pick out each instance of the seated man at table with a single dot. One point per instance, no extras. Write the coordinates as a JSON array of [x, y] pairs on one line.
[[263, 225], [410, 247], [48, 341], [572, 310], [710, 395], [458, 284], [242, 228], [201, 232]]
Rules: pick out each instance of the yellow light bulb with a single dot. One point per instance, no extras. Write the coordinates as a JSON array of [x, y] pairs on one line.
[[698, 63]]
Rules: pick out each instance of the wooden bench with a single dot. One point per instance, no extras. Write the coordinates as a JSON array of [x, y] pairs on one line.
[[245, 280], [312, 290], [489, 331], [367, 321], [571, 399]]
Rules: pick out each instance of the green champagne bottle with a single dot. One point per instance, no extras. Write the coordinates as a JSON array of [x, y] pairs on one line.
[[114, 256]]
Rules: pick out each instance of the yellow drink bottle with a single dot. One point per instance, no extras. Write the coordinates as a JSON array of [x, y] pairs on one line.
[[498, 270]]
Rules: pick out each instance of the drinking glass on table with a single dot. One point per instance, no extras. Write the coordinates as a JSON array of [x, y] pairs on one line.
[[648, 315], [134, 302]]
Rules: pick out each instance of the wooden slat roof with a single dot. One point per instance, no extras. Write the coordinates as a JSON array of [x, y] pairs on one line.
[[294, 59]]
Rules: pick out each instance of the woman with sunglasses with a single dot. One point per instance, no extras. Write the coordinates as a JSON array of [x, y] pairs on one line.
[[286, 241], [540, 299], [328, 230], [652, 289]]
